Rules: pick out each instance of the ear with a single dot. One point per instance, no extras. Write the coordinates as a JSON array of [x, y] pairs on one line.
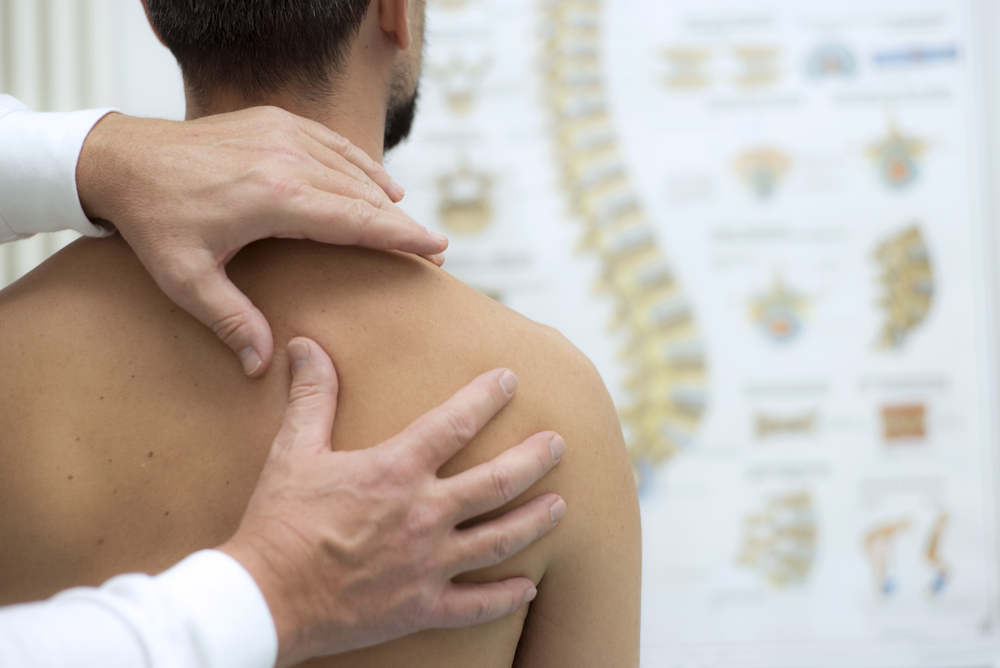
[[394, 19], [145, 8]]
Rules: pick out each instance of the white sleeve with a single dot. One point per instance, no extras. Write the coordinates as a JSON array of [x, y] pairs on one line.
[[38, 157], [205, 612]]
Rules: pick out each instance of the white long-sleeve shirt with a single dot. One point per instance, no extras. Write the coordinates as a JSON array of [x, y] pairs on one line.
[[205, 612], [38, 156]]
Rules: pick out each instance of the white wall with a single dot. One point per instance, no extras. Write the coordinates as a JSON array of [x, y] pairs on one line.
[[148, 81]]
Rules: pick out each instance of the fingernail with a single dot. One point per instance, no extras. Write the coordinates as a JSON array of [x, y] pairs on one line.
[[558, 510], [400, 192], [438, 236], [508, 381], [558, 447], [529, 596], [298, 355], [438, 259], [250, 360]]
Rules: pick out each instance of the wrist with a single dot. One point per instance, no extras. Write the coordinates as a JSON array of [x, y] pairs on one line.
[[259, 564], [98, 169]]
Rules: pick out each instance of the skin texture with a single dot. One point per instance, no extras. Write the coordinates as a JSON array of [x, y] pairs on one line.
[[132, 437]]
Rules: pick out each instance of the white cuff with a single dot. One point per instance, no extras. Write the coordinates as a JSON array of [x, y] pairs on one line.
[[220, 596], [38, 158], [207, 611]]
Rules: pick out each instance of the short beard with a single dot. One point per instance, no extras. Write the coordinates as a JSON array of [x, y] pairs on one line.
[[399, 120]]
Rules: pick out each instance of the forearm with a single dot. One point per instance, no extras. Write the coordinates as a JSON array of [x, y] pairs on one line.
[[206, 612], [38, 163]]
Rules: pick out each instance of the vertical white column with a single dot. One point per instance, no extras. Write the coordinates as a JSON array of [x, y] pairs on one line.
[[93, 25], [66, 63], [102, 54], [4, 47], [24, 37], [63, 60], [4, 88]]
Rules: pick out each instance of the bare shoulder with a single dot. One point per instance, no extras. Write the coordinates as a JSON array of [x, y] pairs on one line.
[[404, 338], [419, 334], [158, 438]]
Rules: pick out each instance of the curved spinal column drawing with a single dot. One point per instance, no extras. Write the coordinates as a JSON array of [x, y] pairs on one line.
[[665, 353]]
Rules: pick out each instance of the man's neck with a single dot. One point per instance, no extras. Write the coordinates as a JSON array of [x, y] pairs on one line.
[[356, 108]]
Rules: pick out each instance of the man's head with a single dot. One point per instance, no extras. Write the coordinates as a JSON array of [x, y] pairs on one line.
[[308, 51]]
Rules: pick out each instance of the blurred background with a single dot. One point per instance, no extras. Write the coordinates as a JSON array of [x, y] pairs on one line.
[[771, 224]]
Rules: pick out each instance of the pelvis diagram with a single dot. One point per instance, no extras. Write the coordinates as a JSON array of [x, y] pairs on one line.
[[665, 353]]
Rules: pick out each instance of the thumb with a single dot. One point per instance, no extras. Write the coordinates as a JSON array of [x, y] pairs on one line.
[[216, 302], [312, 404]]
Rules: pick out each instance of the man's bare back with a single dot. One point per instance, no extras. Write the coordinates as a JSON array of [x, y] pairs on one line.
[[132, 438]]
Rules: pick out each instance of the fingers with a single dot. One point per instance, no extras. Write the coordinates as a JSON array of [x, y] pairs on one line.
[[312, 404], [354, 155], [335, 163], [346, 170], [215, 301], [504, 478], [362, 223], [491, 542], [463, 604], [435, 437]]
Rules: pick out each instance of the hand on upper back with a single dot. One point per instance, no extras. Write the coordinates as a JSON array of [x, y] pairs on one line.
[[187, 196], [355, 548]]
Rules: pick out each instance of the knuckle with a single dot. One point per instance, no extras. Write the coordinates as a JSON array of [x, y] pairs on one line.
[[481, 609], [273, 117], [502, 545], [459, 425], [272, 112], [354, 190], [503, 482], [307, 389], [284, 147], [423, 519], [373, 195], [183, 272], [229, 327], [396, 468], [357, 173], [280, 187], [339, 143], [363, 214]]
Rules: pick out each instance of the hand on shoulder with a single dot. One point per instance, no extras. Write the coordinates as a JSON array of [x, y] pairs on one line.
[[187, 196]]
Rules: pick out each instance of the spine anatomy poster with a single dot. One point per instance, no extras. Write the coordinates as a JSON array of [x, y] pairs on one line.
[[768, 224]]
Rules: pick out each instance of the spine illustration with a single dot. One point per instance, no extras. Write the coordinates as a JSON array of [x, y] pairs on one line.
[[665, 353]]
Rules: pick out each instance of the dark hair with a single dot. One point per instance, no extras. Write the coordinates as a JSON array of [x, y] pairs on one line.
[[255, 47]]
